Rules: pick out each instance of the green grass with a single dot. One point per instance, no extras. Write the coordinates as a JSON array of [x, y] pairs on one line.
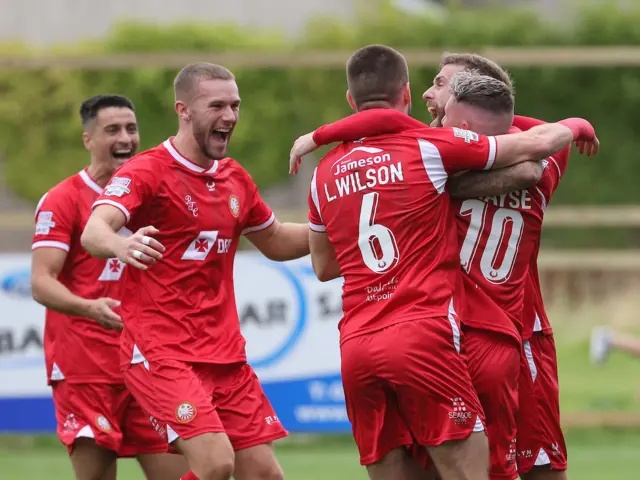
[[593, 455]]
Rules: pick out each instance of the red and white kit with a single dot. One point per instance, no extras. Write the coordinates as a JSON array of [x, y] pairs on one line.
[[81, 356], [181, 349], [383, 204]]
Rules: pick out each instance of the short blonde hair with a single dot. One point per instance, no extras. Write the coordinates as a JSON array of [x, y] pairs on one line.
[[482, 91], [189, 76]]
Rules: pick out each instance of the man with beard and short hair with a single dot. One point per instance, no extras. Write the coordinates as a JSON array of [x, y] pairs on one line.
[[98, 419], [182, 350]]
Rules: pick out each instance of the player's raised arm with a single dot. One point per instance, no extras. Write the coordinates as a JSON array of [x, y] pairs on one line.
[[134, 183], [323, 254], [543, 141], [367, 123], [495, 182], [276, 241], [100, 239]]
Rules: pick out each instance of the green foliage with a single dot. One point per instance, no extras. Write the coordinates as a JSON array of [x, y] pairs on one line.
[[40, 129]]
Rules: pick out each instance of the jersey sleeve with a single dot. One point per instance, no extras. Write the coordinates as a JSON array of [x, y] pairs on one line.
[[367, 123], [259, 215], [446, 151], [315, 219], [55, 220], [526, 123], [555, 167], [131, 186]]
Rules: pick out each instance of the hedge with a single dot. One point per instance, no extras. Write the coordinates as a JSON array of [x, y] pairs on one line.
[[40, 131]]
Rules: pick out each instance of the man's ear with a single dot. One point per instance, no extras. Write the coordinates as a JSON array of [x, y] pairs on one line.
[[352, 104], [406, 93], [182, 110], [86, 140]]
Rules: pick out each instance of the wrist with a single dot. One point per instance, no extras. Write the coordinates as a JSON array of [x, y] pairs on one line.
[[580, 128], [83, 307]]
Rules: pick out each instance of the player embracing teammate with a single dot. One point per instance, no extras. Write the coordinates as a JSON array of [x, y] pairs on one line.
[[393, 211]]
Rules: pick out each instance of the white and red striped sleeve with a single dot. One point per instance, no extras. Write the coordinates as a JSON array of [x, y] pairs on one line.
[[132, 185]]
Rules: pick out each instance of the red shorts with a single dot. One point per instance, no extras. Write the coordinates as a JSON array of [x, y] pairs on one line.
[[189, 399], [408, 384], [494, 366], [540, 438], [107, 413]]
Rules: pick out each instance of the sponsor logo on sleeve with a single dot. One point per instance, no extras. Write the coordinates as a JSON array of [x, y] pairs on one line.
[[467, 135], [44, 223], [118, 187]]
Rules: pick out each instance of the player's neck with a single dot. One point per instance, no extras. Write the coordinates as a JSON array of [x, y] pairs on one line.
[[189, 149], [101, 174]]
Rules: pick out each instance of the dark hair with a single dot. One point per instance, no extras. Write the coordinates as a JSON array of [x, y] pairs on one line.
[[187, 77], [90, 107], [376, 73], [484, 66]]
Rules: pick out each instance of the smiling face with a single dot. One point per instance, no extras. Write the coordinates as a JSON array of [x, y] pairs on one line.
[[438, 94], [112, 136], [214, 110]]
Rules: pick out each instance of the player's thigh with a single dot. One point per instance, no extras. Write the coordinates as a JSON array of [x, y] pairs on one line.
[[544, 473], [245, 411], [91, 462], [494, 365], [87, 411], [397, 464], [257, 463], [372, 406], [466, 459], [163, 466], [209, 455], [175, 397], [430, 376]]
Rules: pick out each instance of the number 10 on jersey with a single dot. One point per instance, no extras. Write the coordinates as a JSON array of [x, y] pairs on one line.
[[494, 270], [377, 243]]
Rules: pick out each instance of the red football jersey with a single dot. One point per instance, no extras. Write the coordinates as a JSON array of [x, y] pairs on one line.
[[183, 307], [499, 237], [383, 203], [535, 318], [78, 349]]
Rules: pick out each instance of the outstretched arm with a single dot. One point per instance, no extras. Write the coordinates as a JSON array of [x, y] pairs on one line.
[[282, 241], [495, 182]]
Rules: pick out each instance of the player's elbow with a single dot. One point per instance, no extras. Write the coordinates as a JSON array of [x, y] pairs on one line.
[[37, 288], [530, 174], [87, 239], [324, 270]]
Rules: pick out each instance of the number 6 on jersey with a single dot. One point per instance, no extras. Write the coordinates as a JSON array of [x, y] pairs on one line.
[[377, 243]]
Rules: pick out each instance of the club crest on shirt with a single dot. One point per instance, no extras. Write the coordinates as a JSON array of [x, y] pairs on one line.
[[118, 187], [103, 424], [234, 206], [185, 412]]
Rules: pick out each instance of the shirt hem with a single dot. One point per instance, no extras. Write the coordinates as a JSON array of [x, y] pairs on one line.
[[387, 325]]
